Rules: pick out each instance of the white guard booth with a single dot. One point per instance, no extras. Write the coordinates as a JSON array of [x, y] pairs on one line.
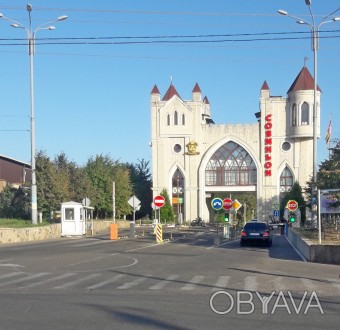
[[73, 219]]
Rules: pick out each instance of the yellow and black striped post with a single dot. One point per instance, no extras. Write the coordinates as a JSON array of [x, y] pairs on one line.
[[159, 233]]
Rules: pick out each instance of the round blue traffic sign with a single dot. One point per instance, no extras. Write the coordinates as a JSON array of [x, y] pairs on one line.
[[217, 203]]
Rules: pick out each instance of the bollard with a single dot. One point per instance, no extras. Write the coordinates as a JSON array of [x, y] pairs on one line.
[[159, 233], [113, 231], [132, 230]]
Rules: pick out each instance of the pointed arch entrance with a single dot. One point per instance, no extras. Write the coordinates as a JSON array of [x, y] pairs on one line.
[[230, 165], [229, 168], [178, 200]]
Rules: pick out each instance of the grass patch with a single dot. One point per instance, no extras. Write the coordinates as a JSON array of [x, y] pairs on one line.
[[19, 223], [328, 235]]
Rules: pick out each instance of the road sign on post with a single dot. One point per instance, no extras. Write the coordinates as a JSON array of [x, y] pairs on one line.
[[159, 201], [227, 203], [292, 205], [236, 205], [217, 203]]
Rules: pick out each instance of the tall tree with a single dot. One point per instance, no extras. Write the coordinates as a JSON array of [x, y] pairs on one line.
[[102, 172], [121, 176], [296, 195], [141, 181], [50, 195], [328, 176], [6, 199], [167, 214]]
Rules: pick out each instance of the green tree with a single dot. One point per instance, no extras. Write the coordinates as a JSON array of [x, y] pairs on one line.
[[296, 195], [74, 182], [121, 176], [102, 171], [6, 198], [141, 181], [328, 176], [21, 203], [50, 194], [167, 214]]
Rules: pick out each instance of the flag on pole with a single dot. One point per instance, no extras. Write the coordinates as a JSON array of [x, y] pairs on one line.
[[329, 132]]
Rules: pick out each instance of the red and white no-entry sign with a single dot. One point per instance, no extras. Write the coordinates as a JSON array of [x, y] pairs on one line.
[[159, 201], [227, 203]]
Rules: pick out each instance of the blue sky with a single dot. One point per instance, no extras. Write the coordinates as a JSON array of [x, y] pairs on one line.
[[92, 91]]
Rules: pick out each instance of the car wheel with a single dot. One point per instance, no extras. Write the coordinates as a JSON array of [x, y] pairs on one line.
[[242, 243]]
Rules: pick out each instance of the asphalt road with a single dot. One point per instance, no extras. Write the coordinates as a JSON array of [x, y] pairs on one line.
[[185, 283]]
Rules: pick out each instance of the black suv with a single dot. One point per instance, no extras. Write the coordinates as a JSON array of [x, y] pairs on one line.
[[257, 232]]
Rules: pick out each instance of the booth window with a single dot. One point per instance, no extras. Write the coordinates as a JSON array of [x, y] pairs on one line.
[[69, 214]]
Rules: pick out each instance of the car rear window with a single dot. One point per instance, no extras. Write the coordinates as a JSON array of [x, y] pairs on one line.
[[256, 226]]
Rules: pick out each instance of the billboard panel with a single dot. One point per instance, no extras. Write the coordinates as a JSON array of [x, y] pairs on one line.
[[329, 201]]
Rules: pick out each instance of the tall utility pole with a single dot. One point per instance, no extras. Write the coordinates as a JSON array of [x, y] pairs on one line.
[[30, 34], [315, 28]]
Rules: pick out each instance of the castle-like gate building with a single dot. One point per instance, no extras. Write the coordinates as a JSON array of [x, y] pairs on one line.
[[193, 158]]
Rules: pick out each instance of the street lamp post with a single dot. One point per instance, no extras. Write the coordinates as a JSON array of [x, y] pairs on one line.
[[315, 28], [31, 33]]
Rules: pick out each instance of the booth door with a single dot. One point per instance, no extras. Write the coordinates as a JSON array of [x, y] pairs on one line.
[[73, 221]]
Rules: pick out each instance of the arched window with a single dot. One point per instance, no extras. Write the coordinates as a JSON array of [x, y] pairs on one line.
[[168, 120], [176, 118], [230, 165], [294, 115], [183, 119], [178, 195], [286, 182], [305, 114]]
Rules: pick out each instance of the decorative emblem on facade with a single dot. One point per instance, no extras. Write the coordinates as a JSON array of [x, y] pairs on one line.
[[192, 148]]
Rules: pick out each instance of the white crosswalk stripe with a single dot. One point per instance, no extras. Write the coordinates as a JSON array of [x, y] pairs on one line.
[[24, 279], [104, 283], [250, 283], [51, 279], [10, 275], [261, 283], [308, 284], [221, 283], [79, 280], [335, 283], [279, 284], [193, 282], [129, 285], [163, 283]]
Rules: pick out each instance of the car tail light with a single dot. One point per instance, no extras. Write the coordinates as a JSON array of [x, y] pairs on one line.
[[265, 233], [243, 233]]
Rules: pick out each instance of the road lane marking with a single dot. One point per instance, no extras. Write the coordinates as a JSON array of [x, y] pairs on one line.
[[197, 279], [162, 284], [145, 247], [79, 280], [93, 259], [335, 283], [250, 283], [101, 284], [91, 243], [27, 278], [10, 275], [279, 285], [131, 284], [221, 283], [51, 279], [221, 244]]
